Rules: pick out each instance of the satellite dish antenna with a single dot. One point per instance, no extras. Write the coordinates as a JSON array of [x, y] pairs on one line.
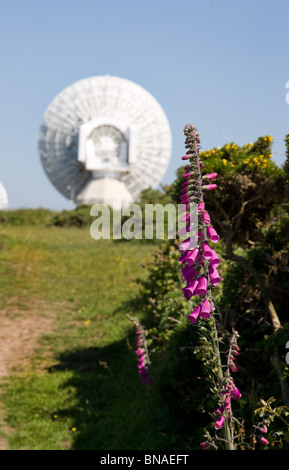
[[104, 138], [3, 198]]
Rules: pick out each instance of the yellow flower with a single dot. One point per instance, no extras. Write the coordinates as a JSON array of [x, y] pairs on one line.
[[224, 161]]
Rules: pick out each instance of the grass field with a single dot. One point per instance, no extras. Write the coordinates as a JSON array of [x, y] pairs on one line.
[[69, 378]]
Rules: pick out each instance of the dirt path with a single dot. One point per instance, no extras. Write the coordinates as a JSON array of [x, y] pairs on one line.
[[20, 331]]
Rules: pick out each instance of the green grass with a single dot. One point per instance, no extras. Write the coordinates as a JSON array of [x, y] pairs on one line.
[[80, 388]]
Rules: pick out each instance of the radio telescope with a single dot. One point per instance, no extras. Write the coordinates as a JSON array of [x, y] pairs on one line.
[[3, 198], [104, 138]]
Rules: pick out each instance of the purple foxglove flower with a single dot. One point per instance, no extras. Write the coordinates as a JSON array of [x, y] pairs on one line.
[[212, 234], [205, 311], [214, 260], [141, 363], [201, 289], [206, 218], [190, 289], [187, 175], [192, 256], [201, 207], [227, 403], [186, 157], [185, 218], [214, 276], [205, 445], [210, 187], [194, 315], [207, 251], [186, 201], [144, 376], [264, 441], [235, 394], [220, 410], [219, 423], [182, 259], [211, 176], [185, 245], [184, 190], [188, 272]]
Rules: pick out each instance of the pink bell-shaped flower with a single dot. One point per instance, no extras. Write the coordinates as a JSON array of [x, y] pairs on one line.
[[235, 394], [211, 176], [210, 187], [192, 256], [186, 244], [190, 289], [201, 289], [214, 276], [207, 250], [194, 315], [205, 311], [219, 423], [188, 272], [212, 234], [185, 217], [182, 259], [214, 260], [201, 207], [227, 402], [264, 440], [206, 218], [205, 445]]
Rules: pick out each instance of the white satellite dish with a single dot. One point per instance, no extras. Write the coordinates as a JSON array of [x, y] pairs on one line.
[[3, 198], [104, 137]]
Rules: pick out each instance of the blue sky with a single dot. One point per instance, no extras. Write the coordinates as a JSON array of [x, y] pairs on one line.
[[222, 65]]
